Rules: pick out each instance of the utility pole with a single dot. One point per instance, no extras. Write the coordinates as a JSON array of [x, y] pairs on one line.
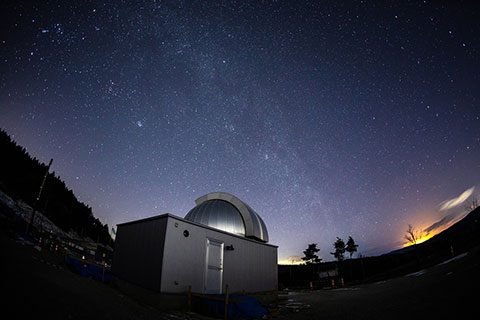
[[30, 222]]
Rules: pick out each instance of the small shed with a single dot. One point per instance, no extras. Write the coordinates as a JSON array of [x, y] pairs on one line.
[[220, 241]]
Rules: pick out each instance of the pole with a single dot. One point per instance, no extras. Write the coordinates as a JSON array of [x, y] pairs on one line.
[[103, 271], [363, 270], [226, 303], [38, 197], [189, 298]]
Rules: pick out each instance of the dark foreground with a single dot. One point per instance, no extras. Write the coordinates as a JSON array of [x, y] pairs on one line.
[[36, 283], [448, 290]]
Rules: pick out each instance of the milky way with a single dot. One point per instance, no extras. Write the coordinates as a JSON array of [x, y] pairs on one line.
[[330, 118]]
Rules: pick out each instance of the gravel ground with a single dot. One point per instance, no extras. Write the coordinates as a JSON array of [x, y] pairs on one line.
[[447, 290]]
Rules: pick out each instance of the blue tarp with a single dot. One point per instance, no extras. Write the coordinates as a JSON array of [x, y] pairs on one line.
[[248, 308], [88, 270]]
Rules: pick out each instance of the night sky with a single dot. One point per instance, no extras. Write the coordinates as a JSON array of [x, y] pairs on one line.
[[329, 118]]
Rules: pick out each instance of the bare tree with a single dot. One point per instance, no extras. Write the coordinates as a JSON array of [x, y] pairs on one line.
[[474, 205], [412, 235]]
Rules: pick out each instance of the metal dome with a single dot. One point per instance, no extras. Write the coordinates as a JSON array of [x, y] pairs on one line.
[[218, 214], [226, 212]]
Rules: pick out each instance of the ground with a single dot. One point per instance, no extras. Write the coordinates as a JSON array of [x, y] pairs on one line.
[[37, 283], [447, 289]]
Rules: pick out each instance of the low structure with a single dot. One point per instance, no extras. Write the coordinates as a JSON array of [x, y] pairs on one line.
[[220, 241]]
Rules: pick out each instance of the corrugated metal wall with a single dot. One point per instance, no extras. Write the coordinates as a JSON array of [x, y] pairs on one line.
[[250, 267], [139, 250]]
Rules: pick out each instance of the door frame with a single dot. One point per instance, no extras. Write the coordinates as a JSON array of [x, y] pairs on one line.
[[207, 246]]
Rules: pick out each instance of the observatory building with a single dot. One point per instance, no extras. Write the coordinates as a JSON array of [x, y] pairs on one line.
[[220, 241]]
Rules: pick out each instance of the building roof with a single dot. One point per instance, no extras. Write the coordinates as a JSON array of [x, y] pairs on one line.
[[172, 216], [226, 212]]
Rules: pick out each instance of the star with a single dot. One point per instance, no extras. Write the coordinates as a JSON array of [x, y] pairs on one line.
[[311, 112]]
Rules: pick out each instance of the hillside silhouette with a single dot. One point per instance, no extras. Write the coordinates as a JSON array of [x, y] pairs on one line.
[[21, 177], [459, 238]]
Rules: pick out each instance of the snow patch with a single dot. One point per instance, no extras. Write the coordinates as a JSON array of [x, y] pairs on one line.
[[460, 256], [416, 274]]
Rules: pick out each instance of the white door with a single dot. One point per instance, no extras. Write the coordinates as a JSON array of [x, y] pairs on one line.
[[214, 267]]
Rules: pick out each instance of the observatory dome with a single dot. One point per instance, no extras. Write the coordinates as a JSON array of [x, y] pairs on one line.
[[226, 212]]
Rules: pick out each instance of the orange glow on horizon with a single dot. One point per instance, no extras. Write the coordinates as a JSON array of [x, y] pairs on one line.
[[426, 237], [422, 239], [290, 260]]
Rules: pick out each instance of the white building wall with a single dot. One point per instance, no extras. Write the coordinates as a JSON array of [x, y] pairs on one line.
[[250, 267]]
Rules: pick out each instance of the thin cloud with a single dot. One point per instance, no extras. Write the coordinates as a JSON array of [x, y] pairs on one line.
[[455, 202], [442, 222]]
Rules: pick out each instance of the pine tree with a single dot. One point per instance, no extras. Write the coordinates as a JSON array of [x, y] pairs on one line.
[[339, 252], [311, 254], [351, 246]]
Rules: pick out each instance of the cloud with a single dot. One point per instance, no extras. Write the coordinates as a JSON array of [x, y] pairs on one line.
[[449, 204], [445, 220], [455, 202]]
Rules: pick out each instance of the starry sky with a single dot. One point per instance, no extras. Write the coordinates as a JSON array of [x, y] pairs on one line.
[[329, 118]]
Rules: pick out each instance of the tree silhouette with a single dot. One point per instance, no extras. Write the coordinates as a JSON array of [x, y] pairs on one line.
[[474, 205], [21, 176], [311, 254], [412, 235], [339, 252], [351, 246]]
